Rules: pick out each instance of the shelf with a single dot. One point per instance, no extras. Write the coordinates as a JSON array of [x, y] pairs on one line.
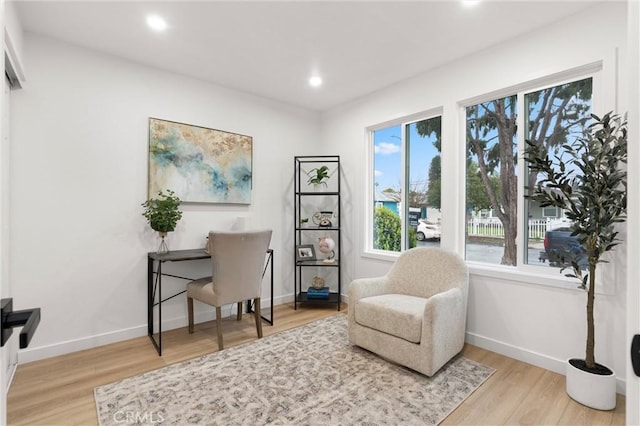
[[317, 263], [326, 201], [333, 298], [318, 159], [317, 193]]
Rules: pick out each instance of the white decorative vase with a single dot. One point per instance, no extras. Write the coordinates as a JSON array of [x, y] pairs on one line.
[[593, 390], [327, 245]]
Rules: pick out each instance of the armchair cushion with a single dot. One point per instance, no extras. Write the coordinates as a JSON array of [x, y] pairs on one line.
[[395, 314]]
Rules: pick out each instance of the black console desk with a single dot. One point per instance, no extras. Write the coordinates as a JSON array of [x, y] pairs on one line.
[[154, 286]]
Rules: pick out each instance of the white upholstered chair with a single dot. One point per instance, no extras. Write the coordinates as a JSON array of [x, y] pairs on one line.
[[414, 315], [237, 261]]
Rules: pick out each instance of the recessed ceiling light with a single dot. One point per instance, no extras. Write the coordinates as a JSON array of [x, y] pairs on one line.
[[315, 81], [156, 23], [470, 3]]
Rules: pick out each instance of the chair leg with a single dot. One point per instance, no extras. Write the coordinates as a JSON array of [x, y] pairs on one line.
[[239, 311], [256, 307], [190, 309], [219, 326]]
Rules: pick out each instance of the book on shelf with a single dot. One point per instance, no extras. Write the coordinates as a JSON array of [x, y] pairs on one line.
[[318, 293]]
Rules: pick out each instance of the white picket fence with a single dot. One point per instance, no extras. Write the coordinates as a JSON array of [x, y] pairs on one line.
[[492, 227]]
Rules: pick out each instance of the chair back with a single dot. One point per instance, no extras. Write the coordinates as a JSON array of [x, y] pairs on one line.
[[237, 261], [423, 272]]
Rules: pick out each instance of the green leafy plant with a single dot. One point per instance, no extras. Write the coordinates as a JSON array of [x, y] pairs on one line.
[[162, 213], [318, 175], [386, 230], [591, 187]]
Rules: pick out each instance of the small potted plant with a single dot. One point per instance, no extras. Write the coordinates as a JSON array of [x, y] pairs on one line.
[[162, 214], [318, 175], [591, 187], [303, 222]]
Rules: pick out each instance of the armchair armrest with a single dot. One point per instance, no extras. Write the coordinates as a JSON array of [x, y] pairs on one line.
[[447, 306], [445, 317], [367, 287]]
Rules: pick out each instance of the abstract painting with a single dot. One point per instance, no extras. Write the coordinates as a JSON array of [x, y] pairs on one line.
[[200, 165]]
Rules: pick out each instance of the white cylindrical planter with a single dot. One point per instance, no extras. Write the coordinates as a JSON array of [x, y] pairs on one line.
[[593, 390]]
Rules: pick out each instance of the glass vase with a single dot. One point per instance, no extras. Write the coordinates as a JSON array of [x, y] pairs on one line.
[[164, 248]]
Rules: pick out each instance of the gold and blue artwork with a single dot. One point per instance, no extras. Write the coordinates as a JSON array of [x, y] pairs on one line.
[[199, 164]]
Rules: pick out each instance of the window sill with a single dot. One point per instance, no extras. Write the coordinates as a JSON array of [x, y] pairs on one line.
[[533, 275], [527, 274], [381, 255]]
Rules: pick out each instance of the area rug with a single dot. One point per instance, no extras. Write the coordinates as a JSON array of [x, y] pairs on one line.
[[309, 375]]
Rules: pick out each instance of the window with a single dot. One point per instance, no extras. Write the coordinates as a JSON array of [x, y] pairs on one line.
[[495, 182], [491, 181], [406, 185], [550, 212]]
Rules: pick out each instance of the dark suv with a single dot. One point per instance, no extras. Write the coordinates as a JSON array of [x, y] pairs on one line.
[[560, 248]]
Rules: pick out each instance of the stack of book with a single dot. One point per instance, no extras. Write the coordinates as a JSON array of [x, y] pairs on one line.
[[318, 293]]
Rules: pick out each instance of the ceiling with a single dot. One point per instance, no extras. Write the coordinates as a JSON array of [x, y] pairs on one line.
[[270, 49]]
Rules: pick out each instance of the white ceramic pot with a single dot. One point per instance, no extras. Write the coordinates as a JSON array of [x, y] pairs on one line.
[[593, 390]]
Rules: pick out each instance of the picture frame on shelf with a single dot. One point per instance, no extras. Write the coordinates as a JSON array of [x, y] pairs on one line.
[[305, 252]]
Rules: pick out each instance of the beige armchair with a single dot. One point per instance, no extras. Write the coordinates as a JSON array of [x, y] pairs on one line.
[[237, 261], [414, 315]]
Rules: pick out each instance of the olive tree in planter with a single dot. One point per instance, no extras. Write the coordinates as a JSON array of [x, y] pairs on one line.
[[163, 214], [591, 187]]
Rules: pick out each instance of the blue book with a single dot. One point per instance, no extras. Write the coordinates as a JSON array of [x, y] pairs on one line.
[[318, 293]]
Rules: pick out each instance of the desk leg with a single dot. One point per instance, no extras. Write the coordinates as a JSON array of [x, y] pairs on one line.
[[249, 305], [149, 296], [271, 260], [159, 281], [151, 300]]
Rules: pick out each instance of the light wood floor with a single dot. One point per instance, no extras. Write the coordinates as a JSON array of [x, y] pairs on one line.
[[59, 391]]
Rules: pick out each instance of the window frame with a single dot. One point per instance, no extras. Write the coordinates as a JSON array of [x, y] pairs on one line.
[[603, 82], [369, 251]]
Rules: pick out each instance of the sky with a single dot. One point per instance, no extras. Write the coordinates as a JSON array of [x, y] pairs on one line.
[[388, 156]]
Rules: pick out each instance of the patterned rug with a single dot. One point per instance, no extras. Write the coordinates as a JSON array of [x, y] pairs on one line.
[[309, 375]]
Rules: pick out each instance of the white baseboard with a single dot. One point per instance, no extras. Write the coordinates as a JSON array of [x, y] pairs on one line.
[[75, 345], [530, 357], [42, 352]]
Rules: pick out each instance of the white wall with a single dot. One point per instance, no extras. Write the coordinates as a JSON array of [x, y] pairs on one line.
[[13, 38], [79, 175], [539, 324]]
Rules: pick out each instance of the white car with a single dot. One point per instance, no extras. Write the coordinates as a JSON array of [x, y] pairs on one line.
[[428, 231]]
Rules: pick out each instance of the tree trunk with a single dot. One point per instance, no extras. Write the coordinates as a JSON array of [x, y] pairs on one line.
[[510, 254], [508, 184], [590, 353]]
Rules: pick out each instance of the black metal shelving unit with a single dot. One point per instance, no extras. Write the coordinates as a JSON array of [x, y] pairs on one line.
[[309, 202]]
